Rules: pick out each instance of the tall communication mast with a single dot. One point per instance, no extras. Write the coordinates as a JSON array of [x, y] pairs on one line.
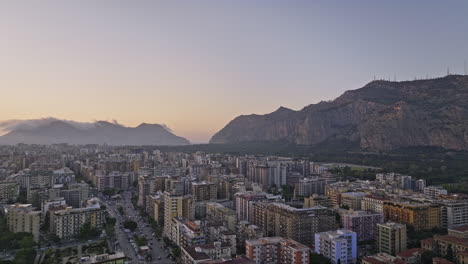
[[464, 66]]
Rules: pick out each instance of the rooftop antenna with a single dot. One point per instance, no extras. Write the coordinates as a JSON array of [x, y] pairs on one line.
[[464, 64], [448, 70]]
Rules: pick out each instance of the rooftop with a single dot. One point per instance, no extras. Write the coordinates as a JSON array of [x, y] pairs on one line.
[[462, 228]]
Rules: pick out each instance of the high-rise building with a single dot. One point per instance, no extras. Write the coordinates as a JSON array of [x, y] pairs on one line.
[[308, 186], [454, 213], [9, 190], [146, 185], [175, 206], [23, 218], [391, 238], [364, 223], [339, 246], [276, 250], [113, 180], [158, 209], [76, 194], [204, 191], [244, 203], [299, 224]]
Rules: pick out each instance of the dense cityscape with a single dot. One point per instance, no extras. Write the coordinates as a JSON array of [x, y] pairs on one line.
[[100, 204], [234, 132]]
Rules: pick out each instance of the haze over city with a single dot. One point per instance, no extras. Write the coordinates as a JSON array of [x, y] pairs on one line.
[[196, 65]]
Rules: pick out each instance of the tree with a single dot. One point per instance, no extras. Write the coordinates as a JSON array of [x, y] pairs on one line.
[[130, 225], [111, 221], [319, 259], [449, 254], [87, 231], [427, 256], [175, 252], [287, 191], [121, 210], [108, 192]]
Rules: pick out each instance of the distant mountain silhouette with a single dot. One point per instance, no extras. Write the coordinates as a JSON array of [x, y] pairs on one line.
[[382, 115], [101, 132]]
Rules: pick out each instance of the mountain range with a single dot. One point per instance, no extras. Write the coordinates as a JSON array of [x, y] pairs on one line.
[[51, 131], [382, 115]]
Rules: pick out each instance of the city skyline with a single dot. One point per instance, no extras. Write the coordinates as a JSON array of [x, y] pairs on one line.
[[196, 66]]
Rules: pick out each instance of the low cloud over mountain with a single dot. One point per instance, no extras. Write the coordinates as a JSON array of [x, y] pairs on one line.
[[52, 130]]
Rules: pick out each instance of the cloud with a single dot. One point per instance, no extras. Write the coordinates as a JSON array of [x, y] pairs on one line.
[[29, 124]]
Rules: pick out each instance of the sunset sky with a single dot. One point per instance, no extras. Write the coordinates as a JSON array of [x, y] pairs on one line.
[[196, 65]]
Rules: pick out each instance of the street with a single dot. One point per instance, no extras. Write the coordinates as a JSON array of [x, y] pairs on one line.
[[158, 252]]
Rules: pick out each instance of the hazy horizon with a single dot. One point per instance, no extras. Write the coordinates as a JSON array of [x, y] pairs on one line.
[[196, 66]]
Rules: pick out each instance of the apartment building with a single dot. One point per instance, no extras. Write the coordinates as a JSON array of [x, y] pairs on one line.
[[68, 222], [299, 224], [244, 203], [373, 203], [204, 253], [317, 200], [338, 246], [421, 216], [364, 223], [352, 199], [454, 213], [434, 191], [276, 250], [9, 190], [440, 245], [308, 186], [176, 206], [391, 238], [112, 180], [204, 191], [23, 218], [222, 214]]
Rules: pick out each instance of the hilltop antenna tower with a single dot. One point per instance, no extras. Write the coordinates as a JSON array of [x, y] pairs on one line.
[[464, 66], [448, 70]]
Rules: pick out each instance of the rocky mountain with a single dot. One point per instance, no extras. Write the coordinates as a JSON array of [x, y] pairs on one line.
[[58, 131], [383, 115]]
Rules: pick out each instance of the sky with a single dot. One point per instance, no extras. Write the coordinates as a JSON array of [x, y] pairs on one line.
[[196, 65]]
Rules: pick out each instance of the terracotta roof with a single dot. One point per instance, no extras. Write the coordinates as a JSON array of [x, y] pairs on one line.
[[372, 260], [462, 228], [453, 239], [441, 261], [410, 252]]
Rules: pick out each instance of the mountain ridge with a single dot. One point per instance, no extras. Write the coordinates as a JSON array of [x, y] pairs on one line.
[[52, 131], [382, 115]]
